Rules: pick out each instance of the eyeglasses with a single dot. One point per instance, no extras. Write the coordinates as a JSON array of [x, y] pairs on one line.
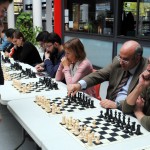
[[124, 61], [48, 46]]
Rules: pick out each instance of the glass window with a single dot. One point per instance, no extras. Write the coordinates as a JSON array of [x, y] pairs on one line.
[[93, 17], [144, 18], [135, 18], [128, 18]]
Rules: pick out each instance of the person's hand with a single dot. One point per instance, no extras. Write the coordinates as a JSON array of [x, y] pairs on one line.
[[144, 78], [65, 61], [139, 104], [47, 55], [73, 89], [138, 111], [106, 103], [39, 68], [6, 54]]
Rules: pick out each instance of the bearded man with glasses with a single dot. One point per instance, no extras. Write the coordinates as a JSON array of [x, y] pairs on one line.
[[122, 75]]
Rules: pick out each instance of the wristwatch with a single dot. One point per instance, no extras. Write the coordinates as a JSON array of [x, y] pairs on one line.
[[118, 105]]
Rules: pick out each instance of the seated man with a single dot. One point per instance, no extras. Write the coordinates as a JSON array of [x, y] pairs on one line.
[[53, 55], [122, 75], [138, 101], [41, 38], [4, 41], [9, 49]]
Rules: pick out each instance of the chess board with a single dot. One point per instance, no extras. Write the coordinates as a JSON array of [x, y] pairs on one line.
[[44, 84], [65, 104], [108, 131], [16, 75]]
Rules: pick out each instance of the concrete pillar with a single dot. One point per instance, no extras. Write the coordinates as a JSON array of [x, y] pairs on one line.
[[11, 16], [49, 16], [37, 13]]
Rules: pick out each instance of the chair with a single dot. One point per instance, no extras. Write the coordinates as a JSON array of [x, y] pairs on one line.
[[97, 89]]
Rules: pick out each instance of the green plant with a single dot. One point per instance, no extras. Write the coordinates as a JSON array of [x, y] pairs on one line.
[[24, 23]]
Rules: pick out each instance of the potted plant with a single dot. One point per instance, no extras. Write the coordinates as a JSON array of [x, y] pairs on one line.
[[24, 23]]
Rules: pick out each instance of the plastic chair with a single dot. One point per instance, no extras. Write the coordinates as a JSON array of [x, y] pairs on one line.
[[97, 89]]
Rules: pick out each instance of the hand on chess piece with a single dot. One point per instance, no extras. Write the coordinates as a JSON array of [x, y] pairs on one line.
[[73, 89], [6, 54], [39, 68], [106, 103]]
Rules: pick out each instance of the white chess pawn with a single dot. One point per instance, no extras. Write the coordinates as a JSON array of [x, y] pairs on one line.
[[81, 135], [62, 102], [90, 140], [86, 136], [76, 130], [97, 139], [67, 123], [94, 123], [63, 120], [73, 125], [88, 129], [48, 109], [85, 127], [53, 109], [58, 110], [92, 135]]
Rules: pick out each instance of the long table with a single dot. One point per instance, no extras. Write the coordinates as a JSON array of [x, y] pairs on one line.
[[47, 132], [45, 128]]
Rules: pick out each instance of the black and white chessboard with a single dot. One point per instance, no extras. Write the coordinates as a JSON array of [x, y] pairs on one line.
[[72, 104], [18, 76], [110, 129], [44, 84]]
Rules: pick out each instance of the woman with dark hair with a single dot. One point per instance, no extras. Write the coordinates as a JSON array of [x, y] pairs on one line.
[[74, 65], [25, 52]]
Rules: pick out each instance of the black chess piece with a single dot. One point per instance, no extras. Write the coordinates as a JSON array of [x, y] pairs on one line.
[[131, 131], [138, 132], [128, 125], [133, 126], [92, 104], [69, 101], [101, 114], [124, 122]]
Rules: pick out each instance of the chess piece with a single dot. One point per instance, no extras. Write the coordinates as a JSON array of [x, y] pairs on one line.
[[97, 139], [138, 132], [63, 122], [90, 140], [85, 136], [94, 123], [101, 114], [70, 123], [62, 102], [77, 128], [81, 134], [53, 109], [58, 110]]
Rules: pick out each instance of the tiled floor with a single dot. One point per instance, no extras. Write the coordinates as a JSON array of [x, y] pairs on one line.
[[11, 133]]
